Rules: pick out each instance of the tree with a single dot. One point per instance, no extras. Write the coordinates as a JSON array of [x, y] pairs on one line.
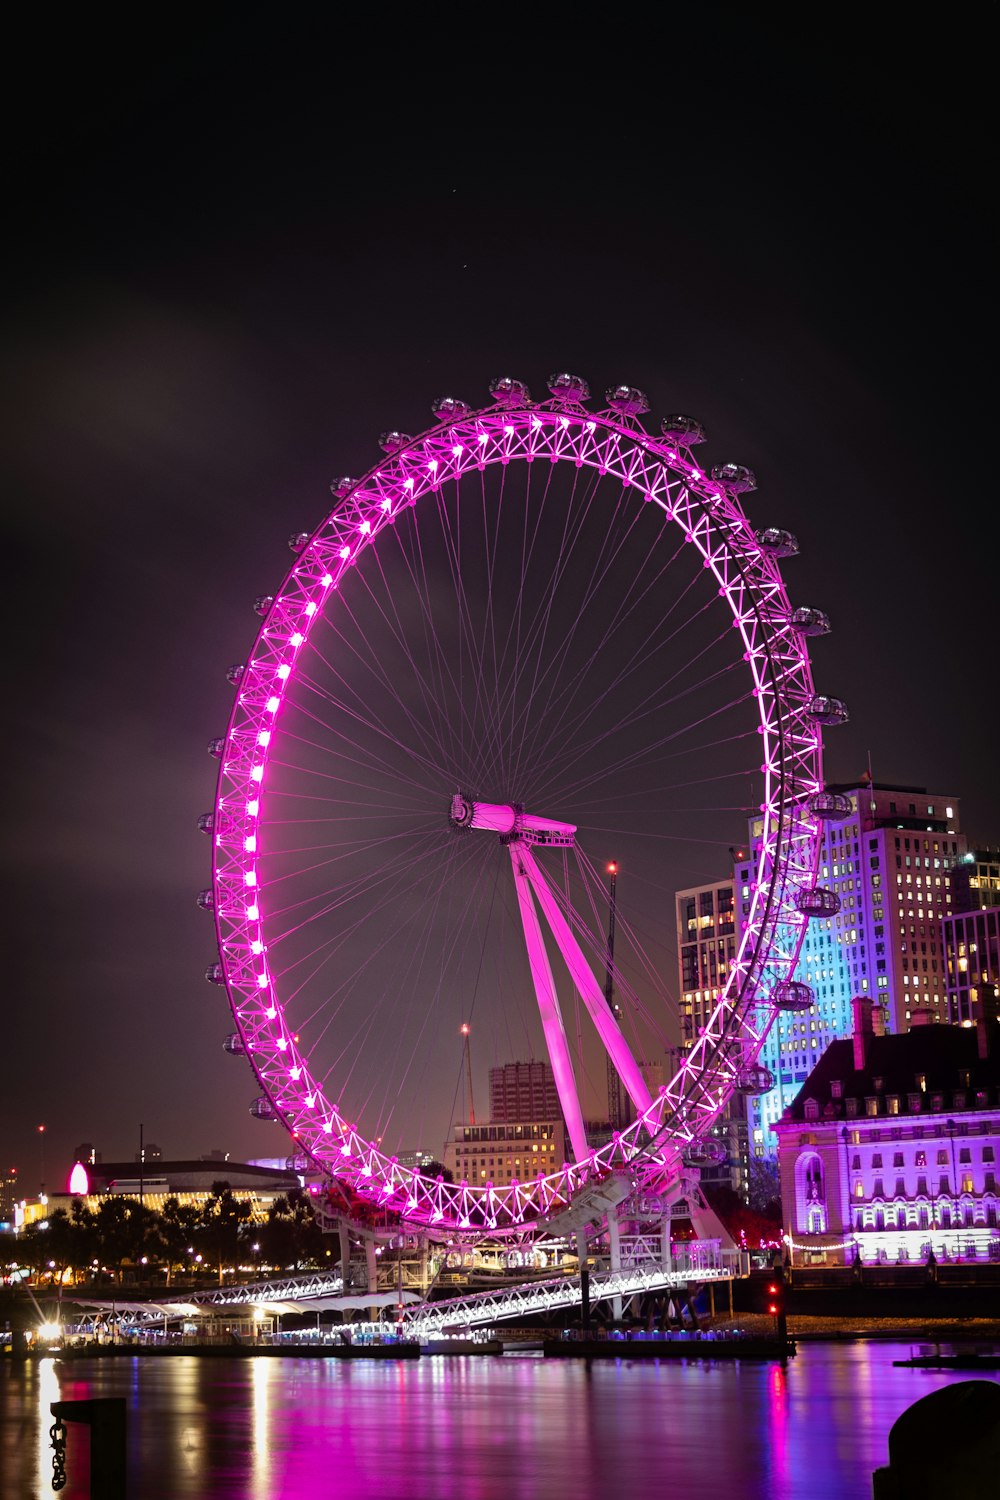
[[222, 1222], [291, 1236], [177, 1230]]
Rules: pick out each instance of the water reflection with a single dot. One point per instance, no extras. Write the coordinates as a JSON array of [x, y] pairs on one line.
[[473, 1429]]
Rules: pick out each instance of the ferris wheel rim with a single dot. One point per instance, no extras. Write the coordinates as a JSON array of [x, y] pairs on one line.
[[713, 521]]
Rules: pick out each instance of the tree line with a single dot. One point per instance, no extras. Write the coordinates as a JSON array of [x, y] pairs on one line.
[[185, 1241]]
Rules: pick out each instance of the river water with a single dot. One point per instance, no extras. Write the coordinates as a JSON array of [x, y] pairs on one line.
[[516, 1427]]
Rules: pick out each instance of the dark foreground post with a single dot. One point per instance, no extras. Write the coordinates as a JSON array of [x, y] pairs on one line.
[[923, 1467], [106, 1419]]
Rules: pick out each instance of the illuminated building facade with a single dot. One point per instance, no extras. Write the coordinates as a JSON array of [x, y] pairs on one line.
[[890, 1149], [706, 950], [889, 861], [523, 1091], [506, 1151]]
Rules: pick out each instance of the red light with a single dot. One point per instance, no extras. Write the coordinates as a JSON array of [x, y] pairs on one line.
[[772, 1309], [612, 868]]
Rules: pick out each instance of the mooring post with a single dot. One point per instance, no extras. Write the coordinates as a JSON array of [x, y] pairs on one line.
[[105, 1417]]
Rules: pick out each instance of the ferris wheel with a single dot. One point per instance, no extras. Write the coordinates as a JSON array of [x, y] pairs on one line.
[[531, 637]]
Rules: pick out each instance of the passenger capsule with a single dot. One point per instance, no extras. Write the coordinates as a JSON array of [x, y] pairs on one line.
[[234, 1045], [215, 974], [829, 807], [206, 822], [342, 486], [262, 604], [686, 431], [298, 542], [810, 621], [792, 994], [508, 391], [569, 387], [777, 543], [206, 899], [627, 400], [217, 747], [705, 1154], [263, 1109], [817, 901], [234, 674], [736, 477], [449, 408], [754, 1080], [828, 711], [392, 442]]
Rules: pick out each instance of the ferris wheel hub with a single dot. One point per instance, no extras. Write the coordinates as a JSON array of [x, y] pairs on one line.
[[510, 821]]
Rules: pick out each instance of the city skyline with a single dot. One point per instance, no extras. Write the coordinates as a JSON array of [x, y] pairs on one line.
[[218, 346]]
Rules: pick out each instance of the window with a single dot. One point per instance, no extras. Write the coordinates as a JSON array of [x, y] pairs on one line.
[[876, 1159], [897, 1158], [921, 1159]]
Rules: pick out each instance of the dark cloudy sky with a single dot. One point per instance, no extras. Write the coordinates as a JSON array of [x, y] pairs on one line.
[[243, 242]]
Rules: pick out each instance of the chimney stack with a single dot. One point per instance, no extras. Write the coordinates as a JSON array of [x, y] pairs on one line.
[[864, 1029]]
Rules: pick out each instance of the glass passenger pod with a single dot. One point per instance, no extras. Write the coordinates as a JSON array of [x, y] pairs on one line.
[[736, 477], [297, 541], [829, 807], [394, 442], [508, 391], [827, 711], [777, 543], [792, 994], [262, 604], [215, 974], [263, 1109], [817, 901], [234, 674], [627, 400], [568, 387], [206, 899], [683, 430], [450, 408], [234, 1045], [810, 621], [755, 1079], [217, 747], [206, 822], [706, 1153], [341, 487]]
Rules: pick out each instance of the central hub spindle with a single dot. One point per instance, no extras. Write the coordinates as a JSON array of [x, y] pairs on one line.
[[510, 821]]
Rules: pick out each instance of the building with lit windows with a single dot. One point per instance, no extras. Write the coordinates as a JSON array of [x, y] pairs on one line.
[[706, 950], [706, 947], [889, 1151], [8, 1195], [505, 1151], [523, 1091], [972, 959], [889, 862]]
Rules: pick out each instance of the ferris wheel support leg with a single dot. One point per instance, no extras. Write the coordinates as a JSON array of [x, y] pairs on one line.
[[548, 1005], [589, 990], [615, 1255]]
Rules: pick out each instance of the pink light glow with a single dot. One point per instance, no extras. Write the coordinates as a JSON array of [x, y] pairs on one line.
[[264, 738], [79, 1182], [250, 877], [262, 981], [272, 705], [284, 671], [297, 638], [310, 608], [253, 808], [253, 912], [327, 578], [257, 773]]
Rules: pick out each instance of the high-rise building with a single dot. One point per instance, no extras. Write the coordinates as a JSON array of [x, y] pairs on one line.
[[8, 1194], [972, 960], [889, 861], [706, 948], [523, 1091], [706, 945]]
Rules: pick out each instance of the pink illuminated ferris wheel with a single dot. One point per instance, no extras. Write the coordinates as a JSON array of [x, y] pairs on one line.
[[528, 640]]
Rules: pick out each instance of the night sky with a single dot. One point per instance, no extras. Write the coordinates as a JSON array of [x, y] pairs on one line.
[[240, 247]]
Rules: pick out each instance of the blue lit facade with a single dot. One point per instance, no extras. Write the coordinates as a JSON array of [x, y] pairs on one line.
[[888, 860]]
